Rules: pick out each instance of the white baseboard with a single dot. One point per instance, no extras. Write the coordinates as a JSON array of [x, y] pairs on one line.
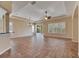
[[75, 41], [5, 50]]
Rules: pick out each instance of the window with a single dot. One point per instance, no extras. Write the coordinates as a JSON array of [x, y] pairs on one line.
[[56, 27], [2, 13], [32, 28], [10, 27]]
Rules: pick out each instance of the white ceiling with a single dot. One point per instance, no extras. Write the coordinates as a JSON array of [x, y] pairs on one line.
[[36, 12]]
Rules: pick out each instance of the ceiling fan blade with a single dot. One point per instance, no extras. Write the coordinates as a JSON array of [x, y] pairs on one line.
[[49, 17]]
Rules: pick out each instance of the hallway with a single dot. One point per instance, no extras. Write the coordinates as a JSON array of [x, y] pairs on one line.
[[40, 47]]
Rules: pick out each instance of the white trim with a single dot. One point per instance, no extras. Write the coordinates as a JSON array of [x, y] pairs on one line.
[[72, 18], [74, 41], [5, 50]]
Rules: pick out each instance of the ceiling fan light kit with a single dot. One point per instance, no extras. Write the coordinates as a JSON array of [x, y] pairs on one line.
[[47, 17]]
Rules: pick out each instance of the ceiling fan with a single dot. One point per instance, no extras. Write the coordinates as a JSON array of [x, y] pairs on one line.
[[46, 17]]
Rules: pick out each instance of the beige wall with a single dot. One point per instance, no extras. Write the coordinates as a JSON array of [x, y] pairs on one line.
[[21, 27], [7, 5], [18, 25], [68, 22]]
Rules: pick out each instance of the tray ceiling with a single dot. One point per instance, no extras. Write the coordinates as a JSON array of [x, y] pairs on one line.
[[36, 11]]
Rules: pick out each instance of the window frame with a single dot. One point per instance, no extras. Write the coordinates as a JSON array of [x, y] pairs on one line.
[[64, 32]]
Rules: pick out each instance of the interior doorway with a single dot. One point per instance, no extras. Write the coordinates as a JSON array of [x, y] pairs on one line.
[[11, 27], [39, 28]]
